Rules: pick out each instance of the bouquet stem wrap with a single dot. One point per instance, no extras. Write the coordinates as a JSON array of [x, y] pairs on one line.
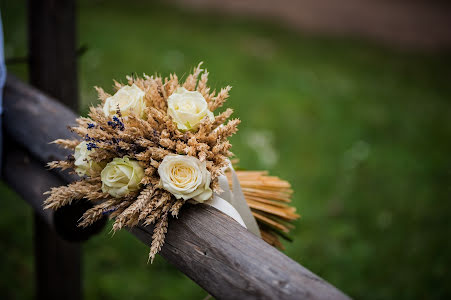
[[233, 203]]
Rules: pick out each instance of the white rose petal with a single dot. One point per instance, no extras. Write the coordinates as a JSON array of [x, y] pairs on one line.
[[187, 109], [84, 164], [185, 177], [129, 99], [121, 176]]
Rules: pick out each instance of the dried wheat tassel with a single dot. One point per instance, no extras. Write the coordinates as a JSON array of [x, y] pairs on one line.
[[220, 99], [61, 164], [191, 81], [66, 144], [203, 88], [222, 117], [175, 209], [117, 85], [223, 132], [156, 93], [171, 85], [163, 207], [158, 194], [64, 195], [159, 233], [153, 216], [120, 208], [96, 213], [130, 215], [101, 94]]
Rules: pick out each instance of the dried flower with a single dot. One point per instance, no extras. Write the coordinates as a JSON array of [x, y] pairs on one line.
[[187, 109], [84, 164], [129, 99], [185, 177], [121, 176]]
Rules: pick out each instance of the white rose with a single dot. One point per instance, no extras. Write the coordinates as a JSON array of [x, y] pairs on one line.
[[130, 99], [84, 164], [187, 109], [185, 177], [121, 176]]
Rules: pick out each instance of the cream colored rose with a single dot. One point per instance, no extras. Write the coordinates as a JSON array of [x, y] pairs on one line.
[[187, 109], [121, 176], [129, 99], [84, 164], [185, 177]]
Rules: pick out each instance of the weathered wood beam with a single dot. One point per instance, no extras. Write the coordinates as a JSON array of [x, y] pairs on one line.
[[214, 251], [21, 170], [30, 179], [34, 119]]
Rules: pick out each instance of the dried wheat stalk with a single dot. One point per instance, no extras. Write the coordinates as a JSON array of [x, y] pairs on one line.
[[267, 196]]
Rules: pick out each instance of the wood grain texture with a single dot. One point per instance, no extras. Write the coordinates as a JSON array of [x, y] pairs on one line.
[[22, 173], [213, 250], [232, 263], [30, 180], [34, 119]]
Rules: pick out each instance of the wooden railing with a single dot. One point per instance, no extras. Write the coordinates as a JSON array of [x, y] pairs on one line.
[[209, 247]]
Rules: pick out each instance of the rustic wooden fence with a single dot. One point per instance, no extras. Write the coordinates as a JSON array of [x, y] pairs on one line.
[[210, 248], [213, 250]]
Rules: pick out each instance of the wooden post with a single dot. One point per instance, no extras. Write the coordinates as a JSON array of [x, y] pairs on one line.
[[52, 49], [53, 69]]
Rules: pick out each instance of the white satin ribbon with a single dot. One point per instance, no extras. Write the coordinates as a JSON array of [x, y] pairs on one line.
[[227, 208], [233, 203]]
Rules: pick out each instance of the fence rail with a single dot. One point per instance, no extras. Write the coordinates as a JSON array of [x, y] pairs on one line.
[[213, 250]]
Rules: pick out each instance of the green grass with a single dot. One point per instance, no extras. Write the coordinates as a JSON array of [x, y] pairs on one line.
[[362, 132]]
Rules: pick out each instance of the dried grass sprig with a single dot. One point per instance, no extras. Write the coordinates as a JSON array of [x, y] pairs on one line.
[[64, 195], [158, 236], [191, 80], [220, 99], [101, 94], [94, 214], [61, 164], [66, 144], [130, 216]]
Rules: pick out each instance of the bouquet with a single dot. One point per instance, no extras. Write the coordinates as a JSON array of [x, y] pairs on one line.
[[156, 144]]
